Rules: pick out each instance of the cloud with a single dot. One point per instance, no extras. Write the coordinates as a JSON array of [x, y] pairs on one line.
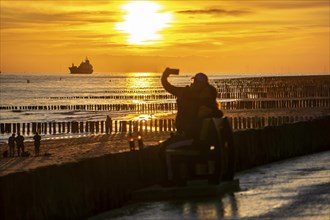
[[19, 17], [292, 4], [215, 11]]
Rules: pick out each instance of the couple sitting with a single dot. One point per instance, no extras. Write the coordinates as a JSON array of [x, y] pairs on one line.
[[195, 103]]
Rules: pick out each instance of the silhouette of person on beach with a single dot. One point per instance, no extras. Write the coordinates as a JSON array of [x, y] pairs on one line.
[[37, 139], [11, 145], [19, 144], [108, 125], [195, 103]]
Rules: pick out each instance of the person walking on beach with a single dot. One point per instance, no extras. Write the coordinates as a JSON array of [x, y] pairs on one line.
[[11, 145], [19, 144], [37, 139], [108, 125]]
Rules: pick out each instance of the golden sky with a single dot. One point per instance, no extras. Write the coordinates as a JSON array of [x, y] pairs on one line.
[[260, 36]]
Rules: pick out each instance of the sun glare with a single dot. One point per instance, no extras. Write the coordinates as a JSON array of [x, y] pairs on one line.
[[143, 21]]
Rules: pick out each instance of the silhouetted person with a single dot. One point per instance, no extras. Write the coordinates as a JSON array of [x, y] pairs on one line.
[[108, 125], [11, 145], [195, 103], [37, 139], [19, 144]]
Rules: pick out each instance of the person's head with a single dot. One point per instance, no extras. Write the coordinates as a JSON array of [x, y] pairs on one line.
[[13, 135], [199, 80]]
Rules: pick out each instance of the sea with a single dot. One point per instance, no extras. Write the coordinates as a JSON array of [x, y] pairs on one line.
[[69, 89], [58, 89]]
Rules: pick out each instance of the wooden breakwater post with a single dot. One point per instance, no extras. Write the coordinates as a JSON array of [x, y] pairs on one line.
[[50, 127], [2, 128], [75, 127], [102, 126]]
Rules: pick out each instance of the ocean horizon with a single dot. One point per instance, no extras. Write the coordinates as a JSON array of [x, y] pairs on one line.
[[146, 73]]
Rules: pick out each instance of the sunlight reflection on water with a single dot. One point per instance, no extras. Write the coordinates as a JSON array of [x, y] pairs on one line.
[[53, 90]]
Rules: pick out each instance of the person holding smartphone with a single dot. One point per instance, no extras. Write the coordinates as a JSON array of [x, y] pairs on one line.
[[195, 102]]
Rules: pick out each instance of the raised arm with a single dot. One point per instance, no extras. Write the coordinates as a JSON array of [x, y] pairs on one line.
[[167, 86]]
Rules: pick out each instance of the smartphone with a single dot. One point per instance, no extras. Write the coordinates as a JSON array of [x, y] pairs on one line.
[[173, 71]]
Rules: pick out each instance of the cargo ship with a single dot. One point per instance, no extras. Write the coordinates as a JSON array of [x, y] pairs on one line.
[[84, 68]]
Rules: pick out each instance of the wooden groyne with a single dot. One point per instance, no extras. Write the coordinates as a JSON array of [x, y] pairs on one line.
[[120, 97], [276, 104], [92, 127], [274, 87], [142, 107], [122, 126], [323, 102], [85, 188]]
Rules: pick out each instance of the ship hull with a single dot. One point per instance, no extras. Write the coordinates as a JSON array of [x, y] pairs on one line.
[[77, 71]]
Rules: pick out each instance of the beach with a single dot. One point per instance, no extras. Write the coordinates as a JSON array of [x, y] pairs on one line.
[[68, 150]]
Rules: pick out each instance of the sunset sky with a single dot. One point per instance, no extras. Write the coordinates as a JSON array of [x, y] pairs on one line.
[[261, 36]]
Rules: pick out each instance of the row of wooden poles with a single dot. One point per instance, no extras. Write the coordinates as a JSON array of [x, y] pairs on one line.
[[241, 92], [153, 125], [276, 104], [113, 126], [241, 88], [141, 107], [221, 95], [149, 107], [274, 87], [237, 94], [121, 97], [224, 92]]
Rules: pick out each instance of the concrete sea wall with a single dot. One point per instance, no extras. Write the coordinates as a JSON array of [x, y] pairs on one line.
[[82, 189]]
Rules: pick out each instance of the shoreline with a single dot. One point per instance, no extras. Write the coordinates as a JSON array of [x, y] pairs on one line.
[[72, 150]]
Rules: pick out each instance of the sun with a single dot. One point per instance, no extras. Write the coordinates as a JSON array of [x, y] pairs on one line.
[[143, 21]]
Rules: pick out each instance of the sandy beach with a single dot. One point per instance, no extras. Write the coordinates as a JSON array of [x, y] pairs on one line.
[[71, 150]]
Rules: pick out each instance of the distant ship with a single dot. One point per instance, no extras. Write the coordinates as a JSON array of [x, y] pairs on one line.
[[84, 68]]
